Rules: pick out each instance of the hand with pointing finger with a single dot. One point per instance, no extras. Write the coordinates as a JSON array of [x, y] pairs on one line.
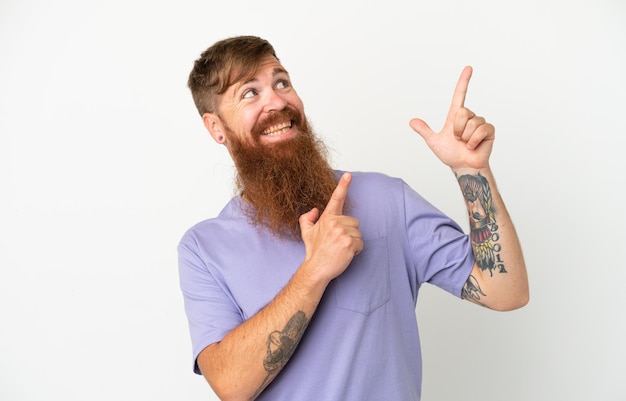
[[332, 239], [466, 140]]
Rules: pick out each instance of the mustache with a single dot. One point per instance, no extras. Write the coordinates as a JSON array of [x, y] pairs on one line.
[[288, 113]]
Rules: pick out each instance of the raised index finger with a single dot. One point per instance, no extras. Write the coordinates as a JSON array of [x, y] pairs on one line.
[[338, 198], [458, 98]]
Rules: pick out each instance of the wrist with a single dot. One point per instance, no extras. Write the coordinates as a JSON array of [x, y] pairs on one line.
[[310, 281], [463, 170]]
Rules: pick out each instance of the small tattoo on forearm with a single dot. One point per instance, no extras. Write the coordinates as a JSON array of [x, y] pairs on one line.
[[472, 291], [281, 345], [483, 226]]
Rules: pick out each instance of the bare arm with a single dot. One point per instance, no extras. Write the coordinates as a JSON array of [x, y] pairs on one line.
[[250, 356], [498, 279]]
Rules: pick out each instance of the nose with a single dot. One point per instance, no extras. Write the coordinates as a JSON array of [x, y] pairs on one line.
[[274, 101]]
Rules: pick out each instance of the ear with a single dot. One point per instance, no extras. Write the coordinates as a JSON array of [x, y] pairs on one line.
[[214, 125]]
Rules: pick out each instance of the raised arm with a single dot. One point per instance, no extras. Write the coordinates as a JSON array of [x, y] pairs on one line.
[[250, 356], [498, 279]]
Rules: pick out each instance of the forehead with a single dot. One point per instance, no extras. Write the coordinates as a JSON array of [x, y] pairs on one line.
[[266, 69], [268, 66]]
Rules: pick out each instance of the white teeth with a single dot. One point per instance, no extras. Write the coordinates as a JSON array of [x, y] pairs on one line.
[[278, 129]]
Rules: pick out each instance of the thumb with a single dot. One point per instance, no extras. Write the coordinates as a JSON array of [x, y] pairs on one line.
[[309, 219], [422, 128]]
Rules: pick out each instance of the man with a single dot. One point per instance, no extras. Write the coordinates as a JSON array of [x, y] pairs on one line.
[[305, 285]]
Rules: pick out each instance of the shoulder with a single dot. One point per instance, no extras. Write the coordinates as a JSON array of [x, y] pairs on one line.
[[377, 192], [374, 194], [231, 219], [373, 181]]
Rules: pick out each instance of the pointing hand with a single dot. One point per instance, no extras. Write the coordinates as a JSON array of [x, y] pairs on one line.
[[466, 140], [332, 239]]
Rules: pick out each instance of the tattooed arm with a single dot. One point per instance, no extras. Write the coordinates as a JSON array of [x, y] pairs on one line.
[[498, 279], [250, 356]]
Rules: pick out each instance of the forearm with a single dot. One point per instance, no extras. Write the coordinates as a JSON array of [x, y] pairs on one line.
[[499, 279], [249, 357]]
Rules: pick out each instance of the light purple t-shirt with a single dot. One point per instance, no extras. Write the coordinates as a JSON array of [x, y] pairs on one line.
[[362, 342]]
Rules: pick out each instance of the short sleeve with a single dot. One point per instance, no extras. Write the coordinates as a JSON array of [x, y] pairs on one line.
[[211, 311], [442, 253]]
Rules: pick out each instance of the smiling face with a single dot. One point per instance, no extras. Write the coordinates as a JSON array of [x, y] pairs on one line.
[[248, 104], [261, 110]]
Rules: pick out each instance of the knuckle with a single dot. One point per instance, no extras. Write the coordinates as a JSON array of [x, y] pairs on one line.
[[465, 113]]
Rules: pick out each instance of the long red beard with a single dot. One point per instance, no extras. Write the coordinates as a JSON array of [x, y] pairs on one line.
[[284, 180]]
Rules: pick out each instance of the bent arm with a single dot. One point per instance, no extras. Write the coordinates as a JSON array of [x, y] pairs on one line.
[[250, 356], [498, 280]]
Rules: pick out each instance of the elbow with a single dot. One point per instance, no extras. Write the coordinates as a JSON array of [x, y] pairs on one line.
[[517, 296], [513, 303], [231, 397], [226, 392], [226, 387]]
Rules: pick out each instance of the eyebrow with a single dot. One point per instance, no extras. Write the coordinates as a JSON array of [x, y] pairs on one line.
[[276, 71]]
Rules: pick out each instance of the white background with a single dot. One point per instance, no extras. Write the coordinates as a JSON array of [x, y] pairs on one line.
[[104, 163]]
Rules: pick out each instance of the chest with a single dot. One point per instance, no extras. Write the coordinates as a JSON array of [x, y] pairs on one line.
[[257, 269]]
